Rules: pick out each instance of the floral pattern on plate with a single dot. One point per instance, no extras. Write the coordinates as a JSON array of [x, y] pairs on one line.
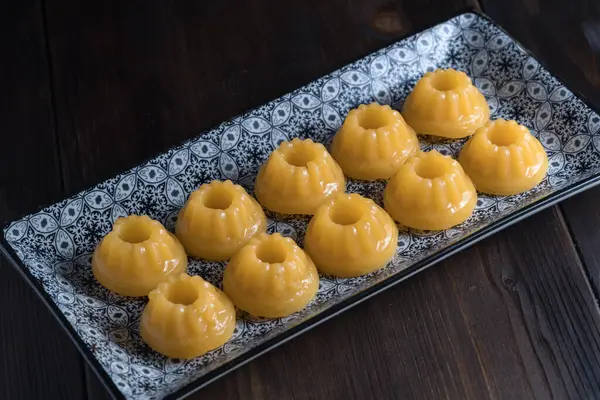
[[55, 244]]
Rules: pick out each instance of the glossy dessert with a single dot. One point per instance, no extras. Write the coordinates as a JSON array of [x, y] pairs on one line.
[[446, 103], [504, 158], [350, 236], [298, 177], [137, 255], [217, 220], [271, 277], [430, 192], [373, 142], [186, 316]]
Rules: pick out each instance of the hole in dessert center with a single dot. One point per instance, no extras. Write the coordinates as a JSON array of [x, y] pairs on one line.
[[271, 252], [503, 137], [372, 119], [344, 212], [135, 231], [298, 157], [445, 80], [217, 198], [430, 168], [182, 292]]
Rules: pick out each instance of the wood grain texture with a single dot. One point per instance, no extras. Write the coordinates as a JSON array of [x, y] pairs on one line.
[[565, 35], [568, 41], [37, 360], [513, 317], [133, 78], [583, 218]]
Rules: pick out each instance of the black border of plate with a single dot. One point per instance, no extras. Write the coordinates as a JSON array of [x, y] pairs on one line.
[[331, 312]]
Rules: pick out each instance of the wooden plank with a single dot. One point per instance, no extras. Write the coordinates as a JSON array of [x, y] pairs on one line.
[[561, 34], [583, 218], [37, 358], [132, 80], [573, 54], [511, 318]]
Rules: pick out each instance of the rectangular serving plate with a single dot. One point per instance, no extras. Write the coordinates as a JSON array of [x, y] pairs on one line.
[[51, 248]]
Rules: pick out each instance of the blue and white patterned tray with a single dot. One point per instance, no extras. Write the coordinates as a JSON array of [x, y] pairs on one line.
[[52, 247]]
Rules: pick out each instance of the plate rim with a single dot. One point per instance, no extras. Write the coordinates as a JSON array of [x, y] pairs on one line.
[[186, 390]]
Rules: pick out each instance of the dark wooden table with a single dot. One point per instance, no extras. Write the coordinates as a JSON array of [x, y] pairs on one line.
[[89, 89]]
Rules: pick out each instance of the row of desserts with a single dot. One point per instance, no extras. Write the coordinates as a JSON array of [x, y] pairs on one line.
[[427, 190], [267, 275], [348, 235]]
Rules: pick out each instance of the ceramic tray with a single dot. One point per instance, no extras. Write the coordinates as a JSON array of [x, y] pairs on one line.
[[52, 247]]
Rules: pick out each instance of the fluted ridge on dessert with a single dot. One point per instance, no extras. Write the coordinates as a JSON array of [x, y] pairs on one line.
[[298, 177], [186, 316], [430, 192], [218, 219], [137, 255], [504, 158], [446, 103], [373, 142], [271, 277], [350, 236]]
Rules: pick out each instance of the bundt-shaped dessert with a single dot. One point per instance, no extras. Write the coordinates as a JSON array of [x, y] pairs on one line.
[[298, 177], [217, 220], [373, 142], [137, 255], [504, 158], [186, 316], [445, 103], [350, 235], [271, 277], [430, 192]]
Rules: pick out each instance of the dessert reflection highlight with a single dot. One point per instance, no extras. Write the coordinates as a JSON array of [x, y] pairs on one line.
[[504, 158], [446, 103], [373, 142], [430, 192], [217, 220], [186, 316], [271, 277], [137, 255], [298, 177], [350, 236]]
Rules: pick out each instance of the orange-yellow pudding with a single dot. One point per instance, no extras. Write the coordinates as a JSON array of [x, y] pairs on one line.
[[430, 192], [350, 236], [504, 158], [373, 142], [298, 177], [217, 220], [186, 316], [446, 103], [271, 277], [137, 255]]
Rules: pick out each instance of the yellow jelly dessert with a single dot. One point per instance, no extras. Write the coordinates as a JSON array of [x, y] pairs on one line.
[[298, 177], [445, 103], [350, 235], [271, 277], [373, 142], [504, 158], [186, 316], [137, 255], [430, 192], [217, 220]]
